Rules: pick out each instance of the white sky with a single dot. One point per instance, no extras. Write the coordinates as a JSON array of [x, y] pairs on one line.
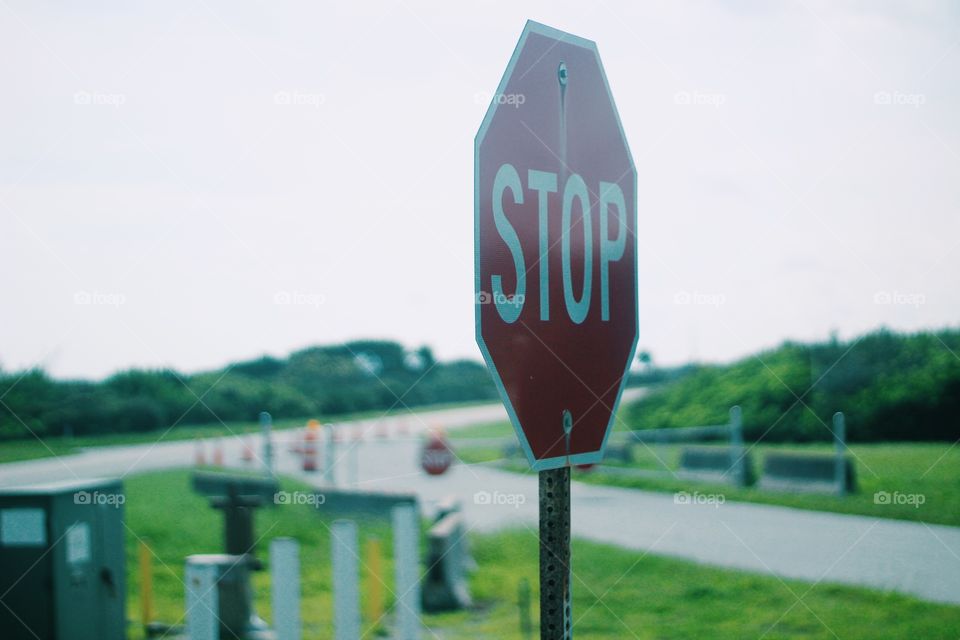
[[145, 160]]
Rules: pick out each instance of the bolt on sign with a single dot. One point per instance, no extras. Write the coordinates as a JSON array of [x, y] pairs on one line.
[[555, 197]]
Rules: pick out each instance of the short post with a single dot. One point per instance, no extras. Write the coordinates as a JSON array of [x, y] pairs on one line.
[[555, 569], [329, 473], [285, 587], [199, 454], [406, 558], [346, 587], [840, 458], [146, 585], [523, 608], [353, 472], [266, 426], [374, 563], [736, 446], [203, 602]]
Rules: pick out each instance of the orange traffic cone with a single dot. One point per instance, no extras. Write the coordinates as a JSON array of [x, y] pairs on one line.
[[310, 450], [199, 457], [218, 455]]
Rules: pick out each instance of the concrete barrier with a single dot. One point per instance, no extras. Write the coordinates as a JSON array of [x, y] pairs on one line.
[[731, 463], [806, 472], [814, 473], [716, 464]]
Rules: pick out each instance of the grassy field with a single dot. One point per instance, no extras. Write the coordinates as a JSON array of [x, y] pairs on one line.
[[31, 448], [931, 470], [617, 593]]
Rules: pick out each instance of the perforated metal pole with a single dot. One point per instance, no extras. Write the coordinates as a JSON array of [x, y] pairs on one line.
[[555, 605]]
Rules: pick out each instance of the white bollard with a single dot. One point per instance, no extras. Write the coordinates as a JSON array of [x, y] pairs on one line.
[[329, 470], [266, 425], [285, 587], [736, 446], [346, 580], [406, 559], [203, 623], [354, 465], [840, 450]]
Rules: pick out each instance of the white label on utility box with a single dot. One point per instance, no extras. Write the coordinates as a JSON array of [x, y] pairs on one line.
[[78, 543], [23, 527]]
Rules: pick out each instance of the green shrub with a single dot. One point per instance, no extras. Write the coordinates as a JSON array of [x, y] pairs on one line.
[[890, 387]]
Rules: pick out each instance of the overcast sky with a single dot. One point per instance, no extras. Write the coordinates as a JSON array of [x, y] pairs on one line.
[[189, 183]]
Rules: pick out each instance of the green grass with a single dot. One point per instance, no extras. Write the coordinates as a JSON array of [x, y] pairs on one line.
[[162, 510], [928, 469], [616, 593], [624, 594], [32, 448]]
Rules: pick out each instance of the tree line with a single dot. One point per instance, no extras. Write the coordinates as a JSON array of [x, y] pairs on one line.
[[367, 375], [891, 386]]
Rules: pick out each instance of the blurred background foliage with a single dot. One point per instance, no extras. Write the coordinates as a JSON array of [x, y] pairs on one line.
[[366, 375], [890, 386]]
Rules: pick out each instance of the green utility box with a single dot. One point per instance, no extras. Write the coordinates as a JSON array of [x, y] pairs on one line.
[[62, 561]]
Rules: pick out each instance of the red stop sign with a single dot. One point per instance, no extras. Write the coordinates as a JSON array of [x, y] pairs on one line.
[[555, 247], [436, 456]]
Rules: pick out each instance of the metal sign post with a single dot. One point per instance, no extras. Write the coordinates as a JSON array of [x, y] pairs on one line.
[[555, 567]]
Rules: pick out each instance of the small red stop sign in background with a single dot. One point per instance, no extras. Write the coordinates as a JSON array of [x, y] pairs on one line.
[[436, 455]]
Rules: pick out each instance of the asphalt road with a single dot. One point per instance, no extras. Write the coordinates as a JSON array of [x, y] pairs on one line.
[[913, 558]]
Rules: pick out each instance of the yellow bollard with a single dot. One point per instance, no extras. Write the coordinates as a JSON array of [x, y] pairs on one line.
[[374, 582], [146, 584]]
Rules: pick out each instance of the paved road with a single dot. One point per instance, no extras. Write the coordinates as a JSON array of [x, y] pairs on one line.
[[913, 558]]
